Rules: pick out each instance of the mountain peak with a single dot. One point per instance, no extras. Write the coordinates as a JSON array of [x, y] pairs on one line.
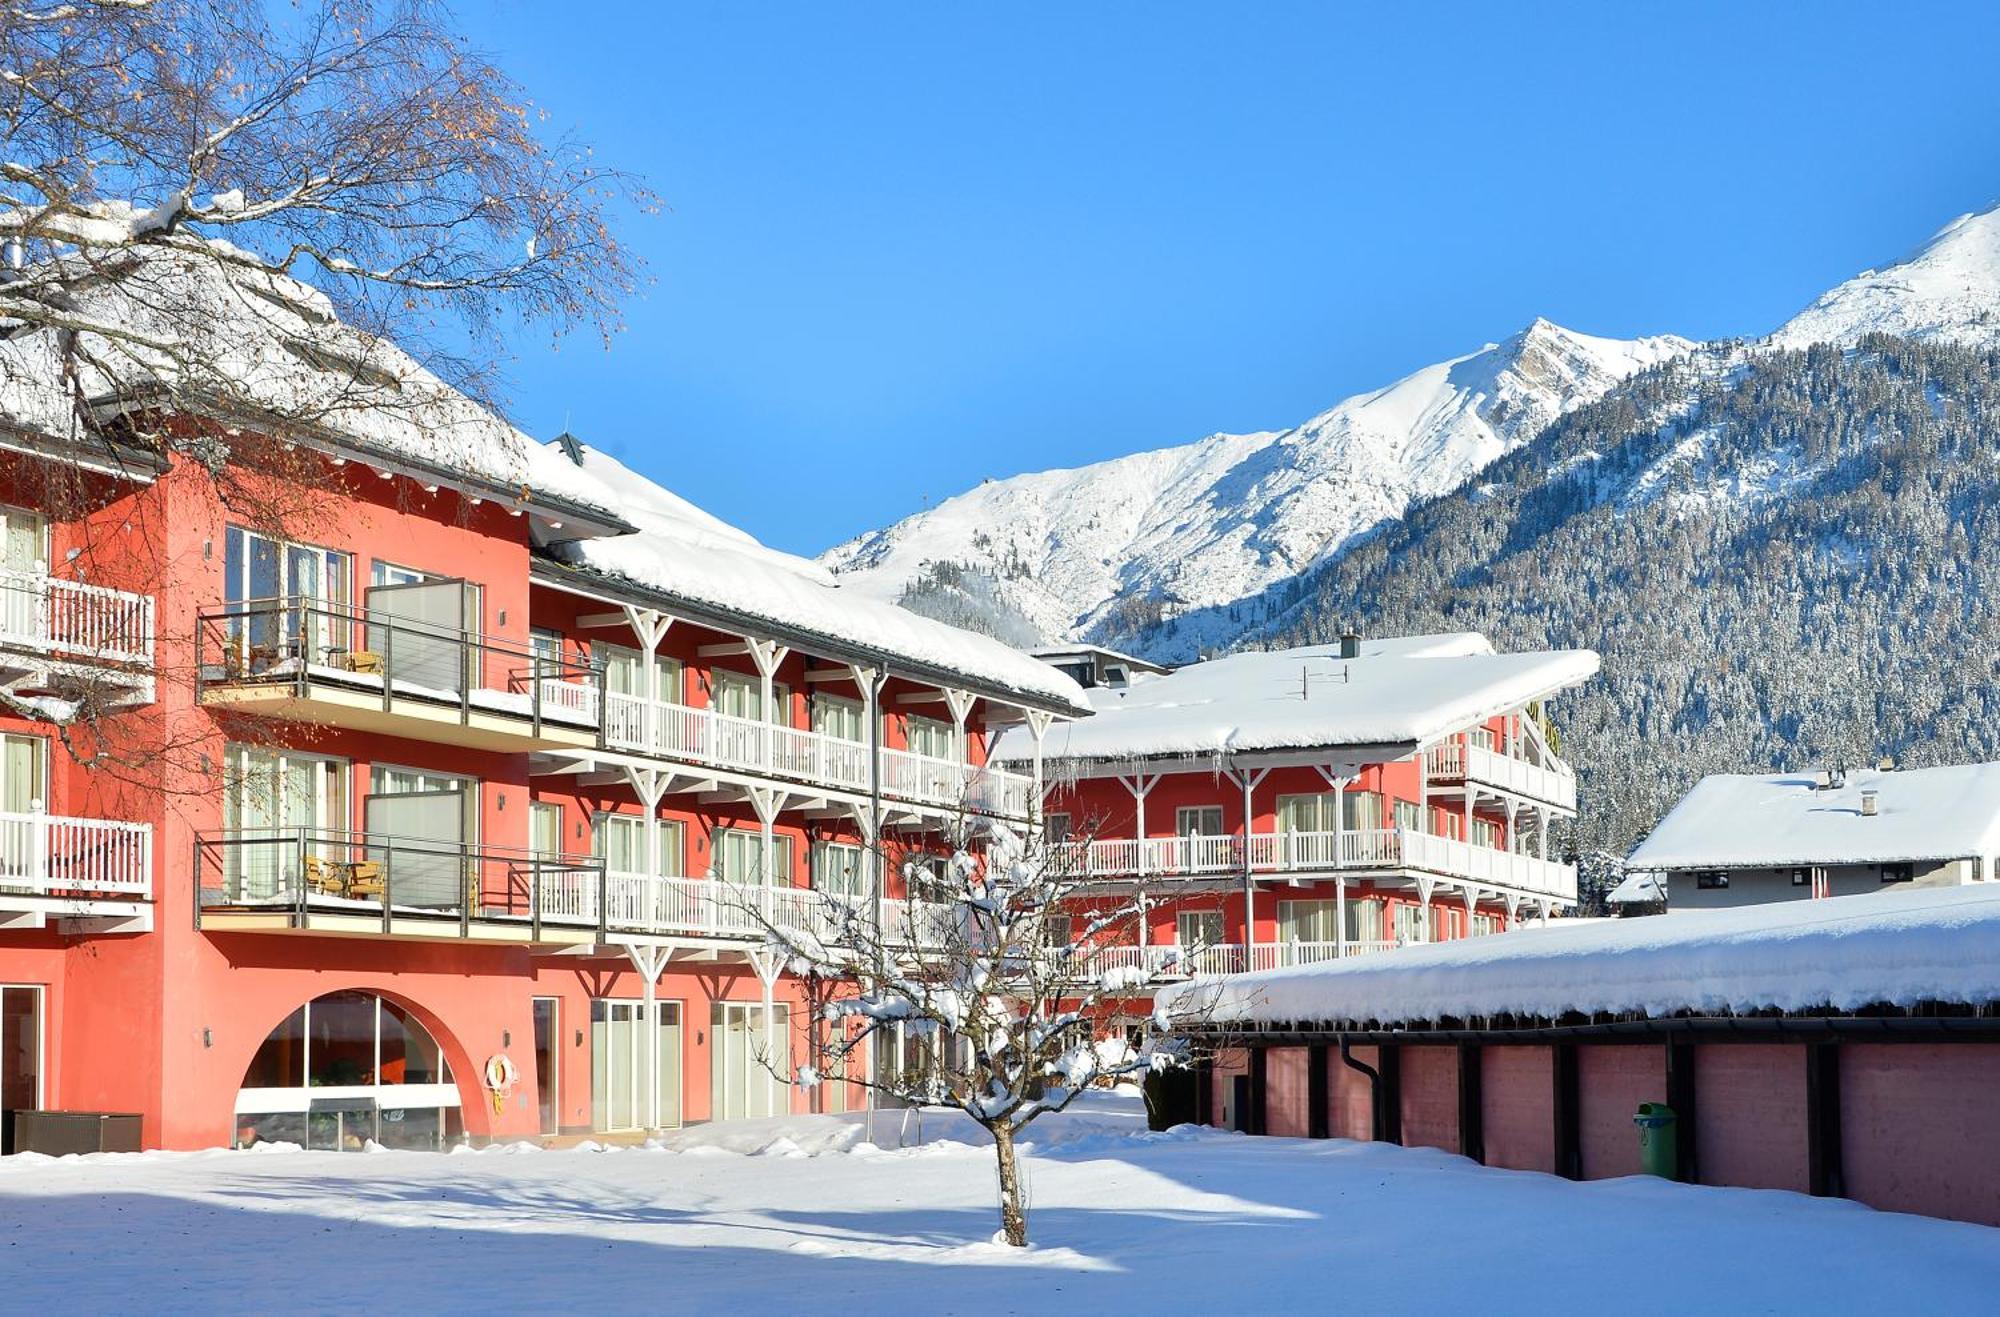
[[1948, 289]]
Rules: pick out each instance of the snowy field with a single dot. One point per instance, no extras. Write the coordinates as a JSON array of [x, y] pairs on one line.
[[801, 1214]]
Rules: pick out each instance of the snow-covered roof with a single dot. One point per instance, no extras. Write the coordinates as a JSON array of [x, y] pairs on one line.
[[1885, 948], [264, 351], [1643, 886], [1410, 689], [1758, 821], [687, 555]]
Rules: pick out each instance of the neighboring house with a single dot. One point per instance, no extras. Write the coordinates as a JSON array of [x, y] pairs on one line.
[[445, 810], [1094, 665], [1741, 839], [1308, 804]]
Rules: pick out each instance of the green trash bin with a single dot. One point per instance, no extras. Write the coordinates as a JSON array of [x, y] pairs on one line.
[[1658, 1143]]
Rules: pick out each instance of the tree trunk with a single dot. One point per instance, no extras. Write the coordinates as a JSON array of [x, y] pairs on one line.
[[1013, 1216]]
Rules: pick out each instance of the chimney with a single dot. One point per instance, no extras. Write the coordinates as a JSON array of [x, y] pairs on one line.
[[1868, 804], [1350, 644]]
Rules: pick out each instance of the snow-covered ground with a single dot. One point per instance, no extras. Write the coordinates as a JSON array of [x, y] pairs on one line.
[[801, 1214]]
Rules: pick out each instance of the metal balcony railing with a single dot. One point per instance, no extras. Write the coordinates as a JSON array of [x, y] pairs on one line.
[[302, 642]]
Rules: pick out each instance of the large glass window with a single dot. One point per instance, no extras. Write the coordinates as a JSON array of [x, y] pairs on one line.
[[1307, 813], [750, 1063], [1307, 921], [272, 798], [739, 857], [930, 736], [24, 553], [743, 697], [23, 773], [1198, 821], [277, 584], [346, 1070], [840, 868], [621, 843], [625, 673], [840, 718], [1198, 928]]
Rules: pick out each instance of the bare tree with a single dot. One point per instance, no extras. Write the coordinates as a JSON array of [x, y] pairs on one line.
[[242, 238], [983, 988]]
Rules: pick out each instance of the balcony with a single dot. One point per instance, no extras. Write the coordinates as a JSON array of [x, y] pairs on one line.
[[293, 880], [1176, 962], [1365, 850], [375, 671], [70, 870], [746, 745], [1456, 762]]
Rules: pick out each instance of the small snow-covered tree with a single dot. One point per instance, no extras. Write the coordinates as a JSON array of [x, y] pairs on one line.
[[998, 970]]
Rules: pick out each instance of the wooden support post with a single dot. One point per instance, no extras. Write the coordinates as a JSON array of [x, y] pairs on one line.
[[1564, 1099], [1471, 1099], [1824, 1175], [1681, 1097]]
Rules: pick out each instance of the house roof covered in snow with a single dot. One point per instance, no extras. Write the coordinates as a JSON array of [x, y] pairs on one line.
[[1885, 948], [208, 325], [1400, 691], [692, 560], [1770, 820]]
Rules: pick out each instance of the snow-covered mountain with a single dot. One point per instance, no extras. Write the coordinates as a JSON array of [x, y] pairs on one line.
[[1100, 551], [1949, 289]]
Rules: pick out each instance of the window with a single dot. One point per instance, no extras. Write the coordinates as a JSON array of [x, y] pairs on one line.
[[1313, 813], [20, 1057], [1482, 925], [1409, 922], [739, 857], [545, 820], [840, 868], [928, 877], [1409, 816], [1898, 873], [259, 570], [1485, 833], [1801, 877], [1198, 928], [1481, 737], [345, 1070], [625, 673], [739, 696], [548, 646], [621, 844], [748, 1054], [24, 541], [840, 718], [1308, 921], [1364, 810], [388, 573], [1364, 919], [1198, 821], [929, 736], [1056, 828], [23, 773], [1711, 880], [620, 1097]]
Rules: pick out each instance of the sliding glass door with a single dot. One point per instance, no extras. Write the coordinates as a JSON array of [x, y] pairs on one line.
[[20, 1057], [749, 1063], [619, 1097]]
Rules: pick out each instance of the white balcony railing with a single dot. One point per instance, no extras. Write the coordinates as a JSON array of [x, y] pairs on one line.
[[53, 616], [1360, 849], [704, 736], [1455, 761], [707, 907], [48, 855]]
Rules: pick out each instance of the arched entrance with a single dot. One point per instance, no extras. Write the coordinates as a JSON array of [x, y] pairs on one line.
[[345, 1070]]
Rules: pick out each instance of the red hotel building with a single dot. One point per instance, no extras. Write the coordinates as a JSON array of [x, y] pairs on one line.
[[1285, 807], [438, 807]]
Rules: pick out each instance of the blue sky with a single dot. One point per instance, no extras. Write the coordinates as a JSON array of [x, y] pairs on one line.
[[909, 247]]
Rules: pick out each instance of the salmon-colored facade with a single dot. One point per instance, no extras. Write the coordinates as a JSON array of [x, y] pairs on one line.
[[369, 832]]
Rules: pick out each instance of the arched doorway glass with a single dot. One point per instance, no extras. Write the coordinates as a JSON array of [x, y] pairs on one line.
[[345, 1070]]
